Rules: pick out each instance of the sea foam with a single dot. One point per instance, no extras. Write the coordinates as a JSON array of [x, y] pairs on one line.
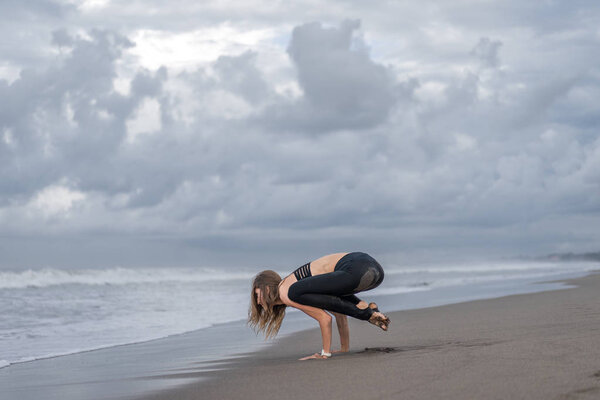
[[112, 276]]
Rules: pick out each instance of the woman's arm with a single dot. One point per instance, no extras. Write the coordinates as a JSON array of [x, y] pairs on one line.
[[341, 321], [324, 320], [322, 317]]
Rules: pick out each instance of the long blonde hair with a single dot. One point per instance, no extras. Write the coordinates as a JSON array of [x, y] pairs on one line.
[[267, 320]]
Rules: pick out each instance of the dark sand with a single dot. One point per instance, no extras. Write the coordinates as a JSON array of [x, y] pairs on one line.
[[531, 346]]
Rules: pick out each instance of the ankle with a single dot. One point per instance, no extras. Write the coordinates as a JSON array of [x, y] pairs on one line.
[[362, 305]]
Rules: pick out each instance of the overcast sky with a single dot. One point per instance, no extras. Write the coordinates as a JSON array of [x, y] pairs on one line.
[[224, 133]]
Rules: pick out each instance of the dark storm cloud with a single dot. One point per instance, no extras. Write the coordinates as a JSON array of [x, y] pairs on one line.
[[342, 87]]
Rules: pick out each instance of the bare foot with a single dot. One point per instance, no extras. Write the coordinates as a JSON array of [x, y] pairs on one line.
[[380, 320]]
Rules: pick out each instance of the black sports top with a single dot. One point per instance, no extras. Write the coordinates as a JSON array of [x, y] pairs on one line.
[[302, 272]]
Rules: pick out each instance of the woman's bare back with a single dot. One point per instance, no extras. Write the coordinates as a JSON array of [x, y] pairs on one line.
[[325, 264]]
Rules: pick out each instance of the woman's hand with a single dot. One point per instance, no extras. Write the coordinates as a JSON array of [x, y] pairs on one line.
[[316, 355]]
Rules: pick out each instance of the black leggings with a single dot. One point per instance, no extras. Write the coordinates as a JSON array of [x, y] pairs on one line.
[[334, 291]]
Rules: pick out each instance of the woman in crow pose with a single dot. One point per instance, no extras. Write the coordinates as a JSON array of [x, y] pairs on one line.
[[327, 283]]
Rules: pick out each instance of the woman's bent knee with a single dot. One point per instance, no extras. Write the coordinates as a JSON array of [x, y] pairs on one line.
[[294, 293]]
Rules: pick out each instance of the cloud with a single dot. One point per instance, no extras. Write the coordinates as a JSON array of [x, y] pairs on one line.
[[486, 51], [33, 9], [68, 121], [343, 88], [55, 200], [239, 75], [441, 133]]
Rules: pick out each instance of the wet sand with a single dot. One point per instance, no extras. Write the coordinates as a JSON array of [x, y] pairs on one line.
[[542, 345]]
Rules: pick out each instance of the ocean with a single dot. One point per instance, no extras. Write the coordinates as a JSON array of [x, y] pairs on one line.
[[51, 312]]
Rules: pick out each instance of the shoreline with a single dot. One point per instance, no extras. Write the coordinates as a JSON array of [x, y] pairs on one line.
[[183, 365], [242, 321], [422, 302], [467, 350], [90, 329]]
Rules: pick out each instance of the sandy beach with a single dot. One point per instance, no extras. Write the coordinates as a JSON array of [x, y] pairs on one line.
[[531, 346]]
